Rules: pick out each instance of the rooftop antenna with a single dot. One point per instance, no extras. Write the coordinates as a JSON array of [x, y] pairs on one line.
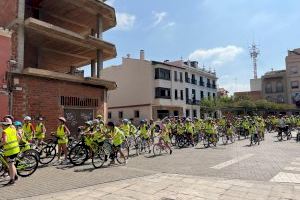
[[254, 52]]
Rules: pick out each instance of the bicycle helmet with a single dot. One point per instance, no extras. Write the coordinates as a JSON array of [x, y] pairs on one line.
[[110, 124], [7, 122], [125, 121], [89, 123], [18, 123], [10, 117], [27, 118], [99, 117], [96, 121], [62, 119]]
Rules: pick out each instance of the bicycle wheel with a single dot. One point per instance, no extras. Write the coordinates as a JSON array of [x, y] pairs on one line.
[[78, 155], [99, 158], [120, 158], [47, 154], [138, 146], [2, 169], [206, 142], [232, 138], [33, 152], [156, 149], [181, 142], [26, 165], [215, 140], [224, 139]]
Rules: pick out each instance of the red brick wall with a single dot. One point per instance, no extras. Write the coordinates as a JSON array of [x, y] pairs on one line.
[[5, 52], [41, 97], [8, 11]]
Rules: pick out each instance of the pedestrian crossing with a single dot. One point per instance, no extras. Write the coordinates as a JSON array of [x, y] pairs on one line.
[[291, 173]]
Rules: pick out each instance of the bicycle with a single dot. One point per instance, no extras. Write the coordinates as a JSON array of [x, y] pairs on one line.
[[254, 139], [48, 151], [210, 139], [160, 148], [26, 164]]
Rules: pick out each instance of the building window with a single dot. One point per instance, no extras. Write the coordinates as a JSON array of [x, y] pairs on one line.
[[194, 81], [187, 79], [187, 112], [137, 114], [214, 95], [208, 95], [268, 88], [176, 113], [162, 114], [214, 86], [78, 101], [208, 83], [121, 114], [193, 94], [175, 76], [187, 95], [279, 87], [194, 113], [181, 94], [161, 73], [176, 94], [181, 77], [295, 84], [201, 82], [163, 93], [201, 94], [109, 115]]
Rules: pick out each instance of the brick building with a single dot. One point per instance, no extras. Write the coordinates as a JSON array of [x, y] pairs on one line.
[[5, 46], [50, 40]]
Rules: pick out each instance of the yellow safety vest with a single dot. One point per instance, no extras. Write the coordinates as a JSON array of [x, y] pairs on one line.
[[39, 131], [60, 133], [27, 131], [117, 136], [11, 147]]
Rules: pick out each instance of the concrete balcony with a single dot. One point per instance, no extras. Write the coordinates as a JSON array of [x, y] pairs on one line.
[[53, 48], [76, 15]]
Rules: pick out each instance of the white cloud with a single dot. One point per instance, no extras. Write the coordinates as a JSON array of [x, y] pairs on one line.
[[170, 24], [125, 21], [159, 17], [110, 2], [216, 56], [235, 87]]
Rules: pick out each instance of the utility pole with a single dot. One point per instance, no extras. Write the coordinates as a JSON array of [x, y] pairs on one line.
[[254, 52]]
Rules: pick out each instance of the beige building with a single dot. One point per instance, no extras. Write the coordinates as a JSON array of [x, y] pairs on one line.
[[293, 76], [274, 87], [152, 89]]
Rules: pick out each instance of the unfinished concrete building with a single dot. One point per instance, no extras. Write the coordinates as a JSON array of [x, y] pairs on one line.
[[51, 40]]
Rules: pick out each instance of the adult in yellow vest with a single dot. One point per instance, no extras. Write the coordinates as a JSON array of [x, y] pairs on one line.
[[10, 147], [117, 137], [62, 133], [40, 130], [28, 129]]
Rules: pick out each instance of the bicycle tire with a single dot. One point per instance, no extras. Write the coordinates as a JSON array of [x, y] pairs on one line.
[[98, 158], [78, 155], [206, 142], [224, 139], [156, 149], [30, 163], [47, 154], [33, 152], [120, 160]]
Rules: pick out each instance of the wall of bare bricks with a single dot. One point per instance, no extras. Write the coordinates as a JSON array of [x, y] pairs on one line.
[[41, 97]]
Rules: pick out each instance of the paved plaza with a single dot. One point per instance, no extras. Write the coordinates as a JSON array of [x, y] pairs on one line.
[[235, 171]]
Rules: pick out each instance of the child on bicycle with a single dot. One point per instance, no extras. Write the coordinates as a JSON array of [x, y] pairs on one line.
[[40, 131], [164, 136], [62, 133], [11, 148]]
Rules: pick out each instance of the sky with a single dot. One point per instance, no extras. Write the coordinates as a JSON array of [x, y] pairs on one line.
[[217, 34]]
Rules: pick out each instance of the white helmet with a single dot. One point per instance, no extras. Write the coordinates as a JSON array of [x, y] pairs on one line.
[[62, 119], [27, 118]]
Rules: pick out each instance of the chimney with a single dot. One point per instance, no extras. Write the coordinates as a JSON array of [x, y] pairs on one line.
[[142, 55]]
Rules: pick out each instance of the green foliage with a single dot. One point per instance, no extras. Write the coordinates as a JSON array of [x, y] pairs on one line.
[[208, 105]]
